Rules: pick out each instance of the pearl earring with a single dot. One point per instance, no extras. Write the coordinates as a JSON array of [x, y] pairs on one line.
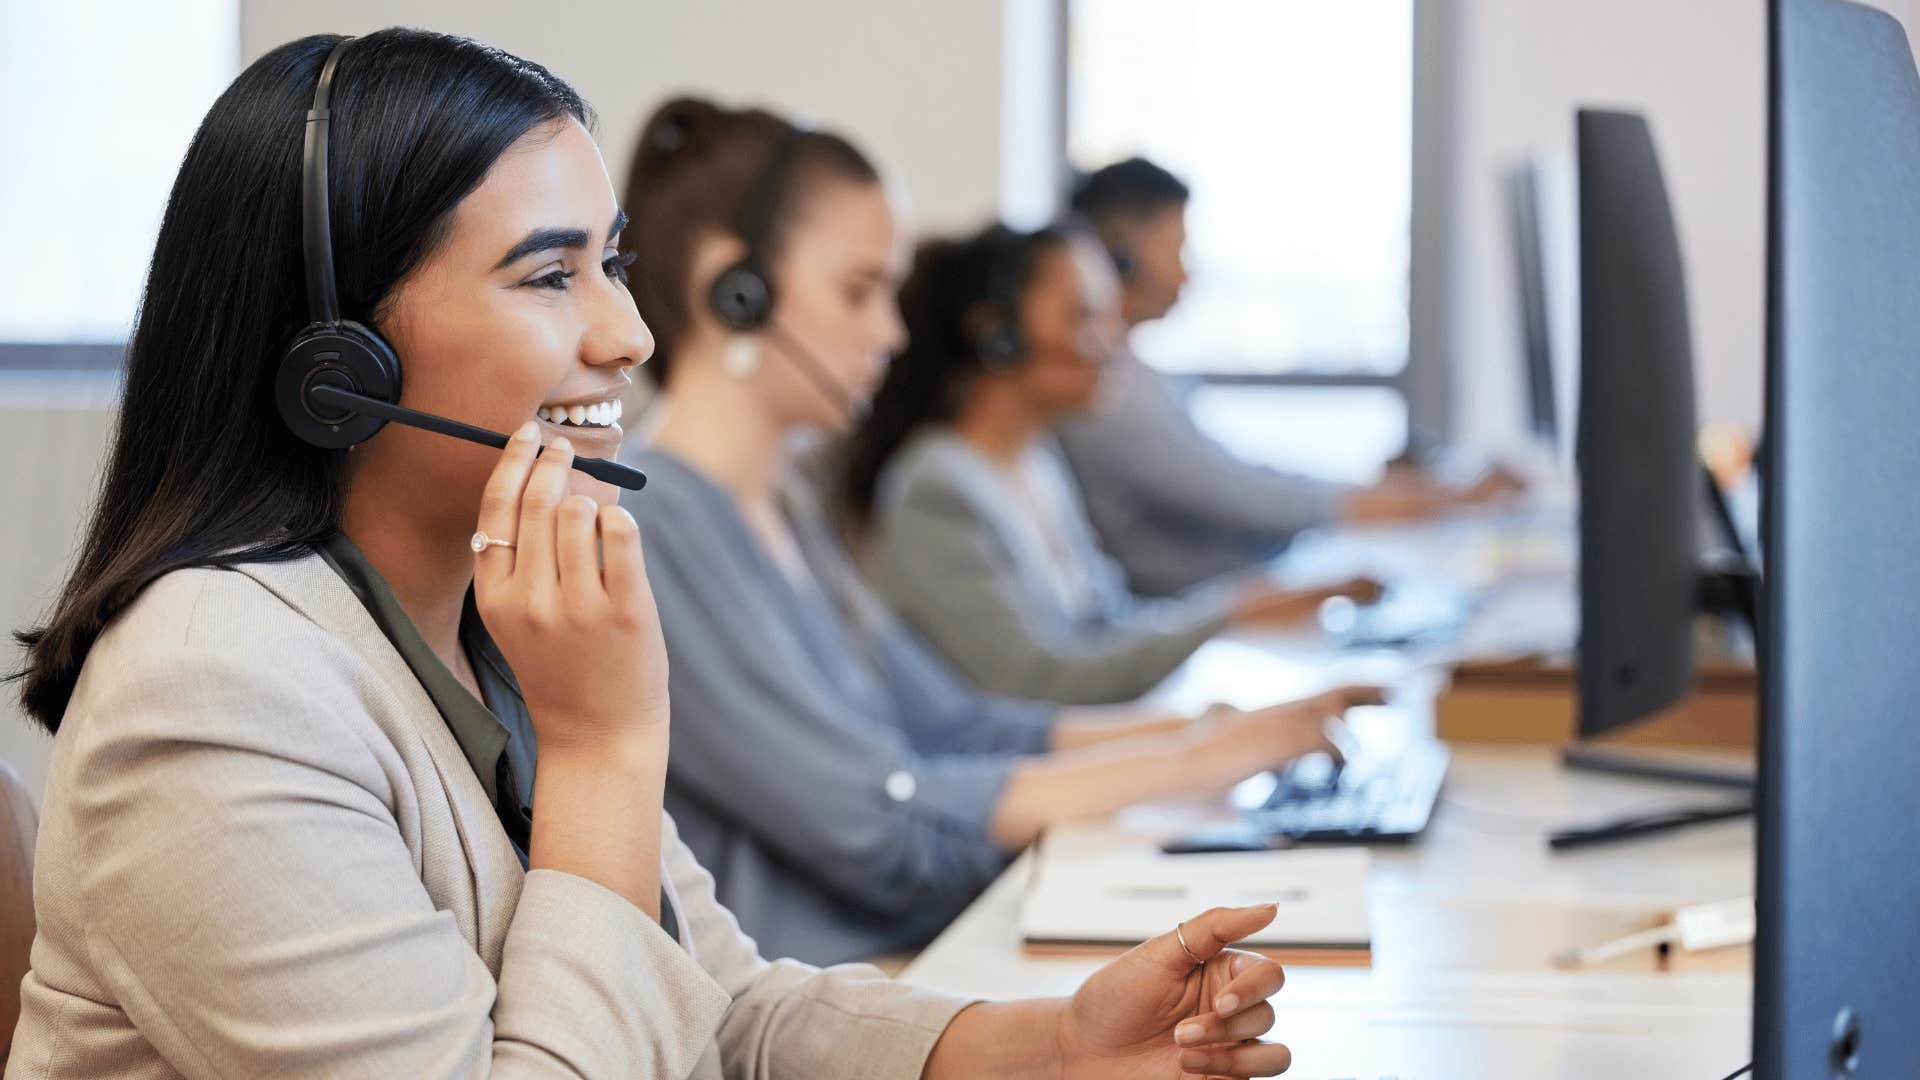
[[742, 357]]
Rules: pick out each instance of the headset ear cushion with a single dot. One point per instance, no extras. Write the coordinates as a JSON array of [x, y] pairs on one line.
[[998, 346], [344, 354], [742, 297]]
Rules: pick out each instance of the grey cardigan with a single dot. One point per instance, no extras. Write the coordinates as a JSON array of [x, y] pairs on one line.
[[952, 554], [1174, 507], [835, 778], [263, 854]]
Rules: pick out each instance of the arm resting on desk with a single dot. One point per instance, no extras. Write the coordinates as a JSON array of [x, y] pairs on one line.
[[1181, 1003]]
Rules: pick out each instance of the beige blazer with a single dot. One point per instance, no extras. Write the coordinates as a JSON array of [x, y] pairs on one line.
[[263, 854]]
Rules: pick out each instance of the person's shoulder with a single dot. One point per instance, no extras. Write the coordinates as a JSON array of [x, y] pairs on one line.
[[203, 608], [676, 499], [227, 656], [936, 471], [690, 528]]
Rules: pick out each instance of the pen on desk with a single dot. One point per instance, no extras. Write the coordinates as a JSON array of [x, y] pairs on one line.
[[1659, 937], [1641, 824]]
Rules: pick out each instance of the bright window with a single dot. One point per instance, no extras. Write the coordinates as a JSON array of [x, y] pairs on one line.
[[1292, 122], [102, 98]]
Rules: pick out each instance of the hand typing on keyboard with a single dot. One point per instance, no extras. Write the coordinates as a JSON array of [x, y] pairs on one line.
[[1241, 743]]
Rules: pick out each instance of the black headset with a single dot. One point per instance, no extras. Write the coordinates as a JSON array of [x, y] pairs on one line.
[[339, 382], [743, 296], [1124, 264], [331, 351], [998, 342]]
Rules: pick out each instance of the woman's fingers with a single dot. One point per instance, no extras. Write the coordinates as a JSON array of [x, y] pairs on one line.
[[1251, 979], [1348, 697], [539, 506], [1205, 935], [625, 571], [576, 550], [1364, 590], [1243, 1059], [500, 504], [1210, 1029]]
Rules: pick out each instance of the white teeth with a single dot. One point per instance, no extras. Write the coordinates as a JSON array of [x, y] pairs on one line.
[[599, 414], [619, 410]]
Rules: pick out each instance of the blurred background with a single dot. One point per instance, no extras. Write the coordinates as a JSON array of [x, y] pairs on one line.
[[1352, 233]]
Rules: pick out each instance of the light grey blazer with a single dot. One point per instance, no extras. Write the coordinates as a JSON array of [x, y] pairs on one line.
[[1172, 506], [858, 823], [263, 854], [952, 554]]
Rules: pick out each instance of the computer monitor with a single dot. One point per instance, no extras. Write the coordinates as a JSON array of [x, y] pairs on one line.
[[1836, 988], [1524, 197], [1639, 473]]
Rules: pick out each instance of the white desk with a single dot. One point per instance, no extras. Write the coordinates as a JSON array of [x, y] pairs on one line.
[[1465, 923]]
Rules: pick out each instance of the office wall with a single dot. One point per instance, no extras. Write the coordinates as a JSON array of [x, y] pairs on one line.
[[59, 422], [918, 84], [1515, 71]]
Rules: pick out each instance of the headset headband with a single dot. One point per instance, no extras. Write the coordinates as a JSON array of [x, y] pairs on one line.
[[316, 233], [762, 204]]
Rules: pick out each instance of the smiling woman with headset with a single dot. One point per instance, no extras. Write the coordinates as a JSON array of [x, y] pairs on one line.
[[881, 793], [297, 676]]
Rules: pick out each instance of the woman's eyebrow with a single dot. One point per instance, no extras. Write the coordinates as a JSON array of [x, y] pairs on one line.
[[543, 240], [557, 239]]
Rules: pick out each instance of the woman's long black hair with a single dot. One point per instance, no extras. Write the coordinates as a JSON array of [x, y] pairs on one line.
[[201, 470], [955, 286]]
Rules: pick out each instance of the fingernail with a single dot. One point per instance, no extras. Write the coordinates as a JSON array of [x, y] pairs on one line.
[[561, 443], [1187, 1034], [1227, 1005], [528, 430]]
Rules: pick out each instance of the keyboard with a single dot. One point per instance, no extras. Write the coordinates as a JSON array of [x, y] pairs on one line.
[[1408, 613], [1368, 801]]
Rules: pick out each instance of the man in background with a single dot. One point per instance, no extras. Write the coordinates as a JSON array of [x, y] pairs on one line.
[[1170, 504]]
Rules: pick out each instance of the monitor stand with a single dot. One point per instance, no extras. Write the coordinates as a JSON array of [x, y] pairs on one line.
[[1702, 769], [1725, 587], [1715, 770]]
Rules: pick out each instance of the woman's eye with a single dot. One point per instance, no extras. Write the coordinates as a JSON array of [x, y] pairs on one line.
[[616, 266], [555, 280]]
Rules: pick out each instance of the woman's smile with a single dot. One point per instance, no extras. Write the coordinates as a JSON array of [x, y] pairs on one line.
[[591, 423]]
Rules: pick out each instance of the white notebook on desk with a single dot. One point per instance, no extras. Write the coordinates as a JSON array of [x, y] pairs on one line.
[[1102, 889]]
